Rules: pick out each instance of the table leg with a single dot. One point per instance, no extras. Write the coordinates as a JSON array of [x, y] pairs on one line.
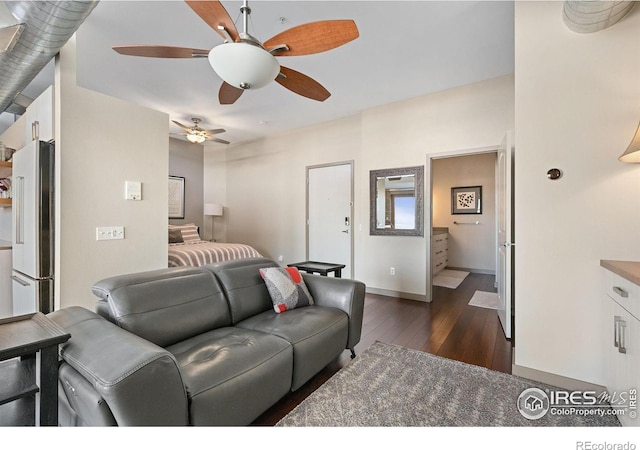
[[48, 382], [338, 273]]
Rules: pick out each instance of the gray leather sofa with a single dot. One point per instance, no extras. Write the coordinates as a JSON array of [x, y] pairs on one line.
[[198, 345]]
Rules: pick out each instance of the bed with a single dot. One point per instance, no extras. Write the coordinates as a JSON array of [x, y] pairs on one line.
[[187, 249]]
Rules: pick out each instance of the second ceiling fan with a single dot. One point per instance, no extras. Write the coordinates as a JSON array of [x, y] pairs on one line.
[[243, 62]]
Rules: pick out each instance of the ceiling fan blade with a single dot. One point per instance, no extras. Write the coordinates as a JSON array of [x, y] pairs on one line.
[[215, 15], [160, 51], [314, 37], [214, 139], [216, 131], [303, 85], [184, 127], [228, 94]]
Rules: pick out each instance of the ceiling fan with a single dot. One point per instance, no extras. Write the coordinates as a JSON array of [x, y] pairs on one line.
[[243, 62], [197, 135]]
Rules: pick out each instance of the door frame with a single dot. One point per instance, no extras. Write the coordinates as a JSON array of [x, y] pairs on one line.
[[350, 163], [428, 219]]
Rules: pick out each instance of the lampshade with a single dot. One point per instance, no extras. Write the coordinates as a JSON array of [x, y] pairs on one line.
[[244, 65], [212, 209], [632, 153]]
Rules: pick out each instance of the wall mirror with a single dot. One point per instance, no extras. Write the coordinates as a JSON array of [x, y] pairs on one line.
[[396, 201]]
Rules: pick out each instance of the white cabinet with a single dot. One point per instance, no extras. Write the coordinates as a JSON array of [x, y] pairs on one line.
[[622, 341], [38, 123], [439, 251]]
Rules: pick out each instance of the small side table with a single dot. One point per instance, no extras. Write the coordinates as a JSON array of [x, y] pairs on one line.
[[29, 385], [322, 268]]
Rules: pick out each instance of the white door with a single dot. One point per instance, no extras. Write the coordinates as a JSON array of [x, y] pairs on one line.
[[329, 209], [504, 190]]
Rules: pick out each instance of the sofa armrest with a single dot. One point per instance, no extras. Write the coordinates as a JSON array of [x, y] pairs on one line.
[[140, 382], [341, 293]]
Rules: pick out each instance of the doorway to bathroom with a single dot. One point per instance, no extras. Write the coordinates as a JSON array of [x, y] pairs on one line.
[[469, 219]]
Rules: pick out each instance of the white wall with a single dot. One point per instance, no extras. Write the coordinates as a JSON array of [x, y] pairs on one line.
[[215, 189], [265, 189], [577, 107], [99, 146], [471, 247], [186, 160]]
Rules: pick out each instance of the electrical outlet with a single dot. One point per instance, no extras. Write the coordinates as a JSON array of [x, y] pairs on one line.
[[392, 270], [109, 233]]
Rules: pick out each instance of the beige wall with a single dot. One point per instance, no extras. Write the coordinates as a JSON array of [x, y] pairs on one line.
[[100, 146], [265, 187], [471, 247], [215, 189], [577, 107], [186, 160]]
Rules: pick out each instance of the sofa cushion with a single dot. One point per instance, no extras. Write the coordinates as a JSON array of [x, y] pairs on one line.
[[316, 333], [165, 306], [286, 288], [245, 288], [233, 375]]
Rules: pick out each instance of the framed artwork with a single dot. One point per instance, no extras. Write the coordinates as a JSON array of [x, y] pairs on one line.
[[466, 200], [176, 197]]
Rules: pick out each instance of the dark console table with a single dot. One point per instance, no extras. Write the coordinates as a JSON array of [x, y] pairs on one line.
[[29, 370], [322, 268]]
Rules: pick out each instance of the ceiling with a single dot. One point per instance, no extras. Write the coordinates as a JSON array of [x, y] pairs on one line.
[[406, 49]]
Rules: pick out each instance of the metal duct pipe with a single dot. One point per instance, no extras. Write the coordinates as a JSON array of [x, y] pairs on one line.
[[48, 26]]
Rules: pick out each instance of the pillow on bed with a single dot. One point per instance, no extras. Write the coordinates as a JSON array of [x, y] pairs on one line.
[[286, 288], [175, 237], [189, 231]]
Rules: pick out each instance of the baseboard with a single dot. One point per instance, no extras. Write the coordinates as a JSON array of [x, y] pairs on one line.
[[389, 293], [554, 380]]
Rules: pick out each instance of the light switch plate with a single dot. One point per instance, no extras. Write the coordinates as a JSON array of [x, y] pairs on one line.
[[133, 190], [109, 233]]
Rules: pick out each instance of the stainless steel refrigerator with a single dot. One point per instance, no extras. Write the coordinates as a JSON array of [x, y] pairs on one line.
[[33, 222]]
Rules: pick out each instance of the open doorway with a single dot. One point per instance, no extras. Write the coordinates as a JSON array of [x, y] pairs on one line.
[[469, 219], [463, 212]]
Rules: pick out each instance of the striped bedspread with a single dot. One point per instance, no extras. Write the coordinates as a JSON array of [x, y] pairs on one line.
[[199, 253]]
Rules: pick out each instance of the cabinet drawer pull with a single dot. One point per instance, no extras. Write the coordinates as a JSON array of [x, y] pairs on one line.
[[621, 292], [623, 327], [619, 331]]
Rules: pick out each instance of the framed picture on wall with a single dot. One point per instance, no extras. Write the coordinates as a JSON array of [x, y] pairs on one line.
[[466, 200], [176, 197]]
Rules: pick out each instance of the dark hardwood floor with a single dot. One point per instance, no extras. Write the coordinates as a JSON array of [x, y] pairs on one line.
[[447, 327]]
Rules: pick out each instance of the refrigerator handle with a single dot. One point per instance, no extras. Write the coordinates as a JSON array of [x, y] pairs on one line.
[[19, 281], [19, 196]]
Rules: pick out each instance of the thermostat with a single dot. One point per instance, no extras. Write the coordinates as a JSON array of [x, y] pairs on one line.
[[133, 190]]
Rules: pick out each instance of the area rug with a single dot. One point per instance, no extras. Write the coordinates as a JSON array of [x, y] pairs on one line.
[[392, 386], [449, 278], [484, 299]]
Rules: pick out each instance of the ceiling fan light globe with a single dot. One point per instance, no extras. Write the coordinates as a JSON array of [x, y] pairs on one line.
[[243, 65], [195, 138]]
